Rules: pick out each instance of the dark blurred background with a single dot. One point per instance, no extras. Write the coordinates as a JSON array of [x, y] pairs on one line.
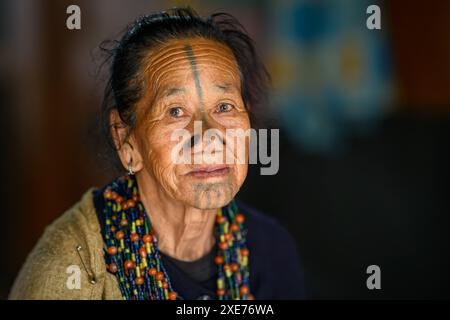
[[364, 118]]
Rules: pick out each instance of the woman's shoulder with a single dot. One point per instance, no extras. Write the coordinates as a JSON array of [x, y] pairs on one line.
[[65, 262], [77, 223]]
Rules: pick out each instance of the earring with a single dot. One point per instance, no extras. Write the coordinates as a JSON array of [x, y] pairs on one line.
[[130, 167]]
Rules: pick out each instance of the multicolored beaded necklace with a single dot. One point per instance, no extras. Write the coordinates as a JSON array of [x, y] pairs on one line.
[[132, 254]]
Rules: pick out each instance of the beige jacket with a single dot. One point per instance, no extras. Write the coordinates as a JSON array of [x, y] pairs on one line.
[[71, 248]]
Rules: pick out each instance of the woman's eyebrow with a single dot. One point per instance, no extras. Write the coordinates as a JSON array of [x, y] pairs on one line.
[[173, 91], [225, 87]]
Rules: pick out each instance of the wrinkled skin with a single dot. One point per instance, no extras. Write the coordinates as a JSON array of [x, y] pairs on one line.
[[185, 80]]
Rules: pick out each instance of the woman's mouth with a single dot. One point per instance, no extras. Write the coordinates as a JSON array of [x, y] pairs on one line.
[[209, 171]]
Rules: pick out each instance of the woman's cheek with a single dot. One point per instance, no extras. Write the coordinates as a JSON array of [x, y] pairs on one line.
[[163, 170], [154, 144], [239, 121], [234, 122]]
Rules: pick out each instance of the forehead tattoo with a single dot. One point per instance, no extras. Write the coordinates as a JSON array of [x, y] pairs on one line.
[[193, 62]]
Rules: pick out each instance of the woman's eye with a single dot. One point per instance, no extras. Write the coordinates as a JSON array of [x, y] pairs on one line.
[[224, 107], [176, 112]]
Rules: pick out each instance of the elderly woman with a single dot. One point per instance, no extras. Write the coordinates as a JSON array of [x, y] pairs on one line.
[[169, 229]]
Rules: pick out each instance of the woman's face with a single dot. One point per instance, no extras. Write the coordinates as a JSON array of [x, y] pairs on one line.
[[192, 83]]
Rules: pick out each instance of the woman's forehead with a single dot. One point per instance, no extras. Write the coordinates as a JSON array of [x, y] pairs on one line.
[[179, 49], [191, 59]]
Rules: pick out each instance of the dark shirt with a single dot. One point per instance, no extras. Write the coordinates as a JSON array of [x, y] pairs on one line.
[[274, 264], [200, 270]]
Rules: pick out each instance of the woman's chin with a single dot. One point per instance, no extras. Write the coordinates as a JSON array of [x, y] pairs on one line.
[[207, 196]]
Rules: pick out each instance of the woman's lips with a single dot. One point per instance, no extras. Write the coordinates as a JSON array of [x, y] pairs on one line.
[[210, 171]]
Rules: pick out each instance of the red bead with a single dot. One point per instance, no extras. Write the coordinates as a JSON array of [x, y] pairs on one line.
[[165, 285], [152, 271], [139, 281], [147, 238], [112, 250], [119, 199], [228, 236], [114, 195], [128, 264], [120, 235], [134, 237], [112, 268], [172, 295], [142, 252], [124, 206], [218, 260], [131, 203], [159, 276], [223, 246], [234, 267], [243, 290], [234, 227], [250, 297], [240, 218], [107, 194], [226, 267], [124, 222], [220, 219], [244, 252], [220, 292]]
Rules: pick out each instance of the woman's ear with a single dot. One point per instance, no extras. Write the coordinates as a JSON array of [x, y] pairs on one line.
[[125, 143]]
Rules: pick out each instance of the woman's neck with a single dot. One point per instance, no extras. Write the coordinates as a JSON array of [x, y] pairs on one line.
[[183, 232]]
